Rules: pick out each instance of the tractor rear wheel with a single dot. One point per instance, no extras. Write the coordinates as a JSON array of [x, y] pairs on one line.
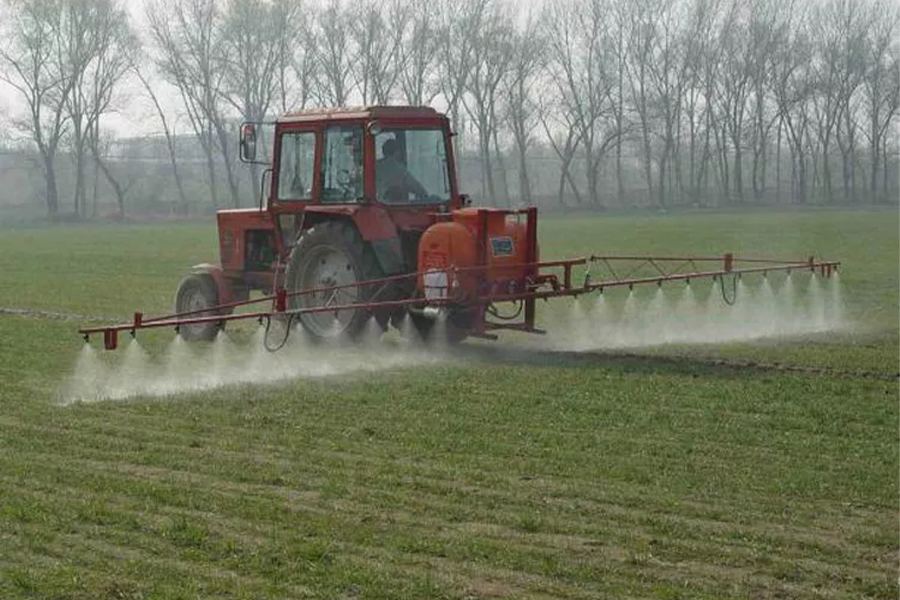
[[331, 257], [196, 292]]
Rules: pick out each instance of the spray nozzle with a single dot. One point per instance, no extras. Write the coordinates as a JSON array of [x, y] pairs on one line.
[[87, 338]]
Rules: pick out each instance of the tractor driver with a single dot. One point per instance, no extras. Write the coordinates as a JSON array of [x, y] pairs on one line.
[[393, 183]]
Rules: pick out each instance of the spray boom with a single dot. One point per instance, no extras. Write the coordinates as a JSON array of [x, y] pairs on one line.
[[548, 279]]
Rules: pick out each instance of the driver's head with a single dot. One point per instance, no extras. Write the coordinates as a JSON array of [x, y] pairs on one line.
[[389, 148]]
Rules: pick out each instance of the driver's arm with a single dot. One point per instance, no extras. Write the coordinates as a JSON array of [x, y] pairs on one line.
[[411, 184]]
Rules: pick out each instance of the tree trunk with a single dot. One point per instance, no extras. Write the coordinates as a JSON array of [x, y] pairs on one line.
[[211, 171], [79, 200], [826, 171], [524, 182], [778, 164], [873, 171], [95, 192], [113, 182], [52, 194], [663, 163], [503, 181], [486, 167]]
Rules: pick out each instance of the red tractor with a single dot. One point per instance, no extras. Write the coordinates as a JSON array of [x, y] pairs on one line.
[[364, 219], [361, 195]]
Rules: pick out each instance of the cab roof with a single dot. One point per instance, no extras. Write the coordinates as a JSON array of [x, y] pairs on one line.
[[360, 112]]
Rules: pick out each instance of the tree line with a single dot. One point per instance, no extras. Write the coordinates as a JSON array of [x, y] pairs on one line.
[[591, 103]]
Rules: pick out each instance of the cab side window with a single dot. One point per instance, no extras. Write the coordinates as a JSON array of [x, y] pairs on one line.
[[342, 167], [298, 155]]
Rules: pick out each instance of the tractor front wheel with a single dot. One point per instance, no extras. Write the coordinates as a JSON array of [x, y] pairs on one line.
[[331, 259], [196, 292]]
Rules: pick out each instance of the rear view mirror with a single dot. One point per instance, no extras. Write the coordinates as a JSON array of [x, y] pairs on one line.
[[248, 142]]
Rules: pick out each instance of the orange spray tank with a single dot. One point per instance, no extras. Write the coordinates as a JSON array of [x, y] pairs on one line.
[[477, 245]]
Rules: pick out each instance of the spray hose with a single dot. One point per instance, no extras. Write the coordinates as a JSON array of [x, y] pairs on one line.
[[734, 279], [510, 317], [287, 334]]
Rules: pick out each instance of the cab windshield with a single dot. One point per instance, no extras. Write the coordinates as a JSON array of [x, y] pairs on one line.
[[411, 166]]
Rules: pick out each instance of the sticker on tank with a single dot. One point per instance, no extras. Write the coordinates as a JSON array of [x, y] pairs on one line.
[[502, 246]]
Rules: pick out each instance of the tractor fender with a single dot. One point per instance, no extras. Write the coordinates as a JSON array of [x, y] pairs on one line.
[[375, 227], [223, 286]]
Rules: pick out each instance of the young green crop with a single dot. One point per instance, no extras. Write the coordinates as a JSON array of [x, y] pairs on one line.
[[503, 471]]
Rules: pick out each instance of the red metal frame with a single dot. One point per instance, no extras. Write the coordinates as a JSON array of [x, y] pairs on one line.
[[539, 286]]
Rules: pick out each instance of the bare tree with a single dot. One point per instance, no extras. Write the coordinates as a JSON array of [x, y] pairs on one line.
[[702, 60], [518, 87], [769, 30], [30, 55], [170, 141], [249, 54], [641, 34], [419, 55], [857, 23], [251, 58], [839, 25], [881, 89], [459, 23], [100, 49], [186, 36], [493, 48], [377, 33], [793, 86], [733, 93], [582, 66], [99, 145], [667, 77], [565, 150], [298, 44], [334, 55]]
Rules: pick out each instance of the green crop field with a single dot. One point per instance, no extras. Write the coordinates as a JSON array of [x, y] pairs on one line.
[[752, 469]]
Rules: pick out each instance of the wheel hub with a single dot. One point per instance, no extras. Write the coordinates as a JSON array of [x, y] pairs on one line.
[[330, 272]]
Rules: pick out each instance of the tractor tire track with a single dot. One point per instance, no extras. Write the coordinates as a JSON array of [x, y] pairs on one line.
[[645, 362], [30, 313]]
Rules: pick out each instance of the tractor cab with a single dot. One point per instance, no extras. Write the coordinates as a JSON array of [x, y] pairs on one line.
[[407, 165], [396, 160], [387, 169]]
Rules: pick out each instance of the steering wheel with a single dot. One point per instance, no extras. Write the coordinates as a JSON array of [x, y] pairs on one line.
[[345, 180]]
